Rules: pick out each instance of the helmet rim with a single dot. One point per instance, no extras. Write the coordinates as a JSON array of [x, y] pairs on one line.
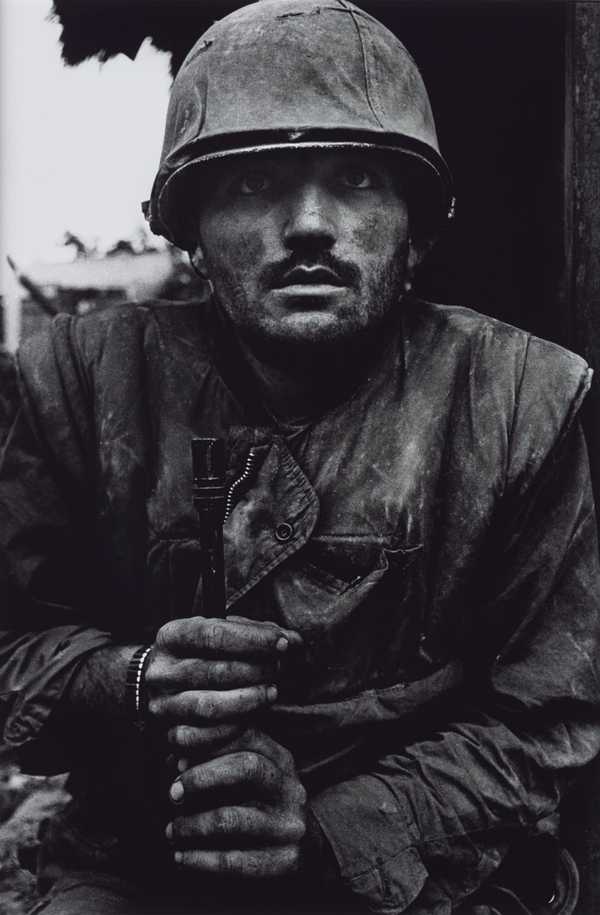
[[162, 219]]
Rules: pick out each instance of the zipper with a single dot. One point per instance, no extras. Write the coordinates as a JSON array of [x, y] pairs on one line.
[[245, 476]]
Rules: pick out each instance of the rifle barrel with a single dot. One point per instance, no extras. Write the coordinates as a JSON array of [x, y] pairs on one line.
[[209, 498]]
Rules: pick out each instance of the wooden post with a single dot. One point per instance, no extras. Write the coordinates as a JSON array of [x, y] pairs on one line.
[[581, 297], [582, 187]]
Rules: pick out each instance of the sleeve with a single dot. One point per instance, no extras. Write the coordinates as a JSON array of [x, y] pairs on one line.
[[430, 821], [45, 490]]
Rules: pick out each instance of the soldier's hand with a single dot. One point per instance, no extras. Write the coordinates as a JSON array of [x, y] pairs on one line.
[[242, 813], [205, 676]]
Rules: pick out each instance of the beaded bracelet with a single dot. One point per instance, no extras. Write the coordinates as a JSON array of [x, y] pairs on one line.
[[134, 680]]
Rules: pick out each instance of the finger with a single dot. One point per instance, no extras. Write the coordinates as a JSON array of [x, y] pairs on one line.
[[258, 742], [194, 673], [198, 707], [235, 827], [188, 737], [201, 637], [250, 775], [268, 862], [291, 635]]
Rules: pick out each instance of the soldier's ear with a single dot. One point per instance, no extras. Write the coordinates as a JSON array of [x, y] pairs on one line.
[[198, 262]]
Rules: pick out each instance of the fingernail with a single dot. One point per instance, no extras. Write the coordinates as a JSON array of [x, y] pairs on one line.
[[176, 792], [182, 765], [272, 693], [169, 831], [282, 644]]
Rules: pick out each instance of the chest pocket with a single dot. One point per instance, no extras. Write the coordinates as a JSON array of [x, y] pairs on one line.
[[359, 604]]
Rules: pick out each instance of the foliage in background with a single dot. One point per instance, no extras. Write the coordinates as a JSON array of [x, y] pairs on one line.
[[105, 28]]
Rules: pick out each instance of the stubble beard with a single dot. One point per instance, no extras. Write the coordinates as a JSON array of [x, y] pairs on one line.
[[357, 330]]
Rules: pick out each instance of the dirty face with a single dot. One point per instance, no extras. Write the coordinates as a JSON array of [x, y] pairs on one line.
[[304, 247]]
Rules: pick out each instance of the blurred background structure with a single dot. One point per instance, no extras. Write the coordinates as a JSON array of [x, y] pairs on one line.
[[125, 273], [514, 85], [79, 146]]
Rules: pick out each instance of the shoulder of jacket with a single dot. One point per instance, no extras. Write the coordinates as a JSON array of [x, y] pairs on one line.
[[132, 319], [462, 325], [533, 387], [480, 336], [122, 325]]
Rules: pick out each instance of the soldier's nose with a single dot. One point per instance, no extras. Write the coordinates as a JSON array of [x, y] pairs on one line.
[[310, 217]]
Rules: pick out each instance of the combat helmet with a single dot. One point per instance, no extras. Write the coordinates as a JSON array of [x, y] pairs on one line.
[[295, 74]]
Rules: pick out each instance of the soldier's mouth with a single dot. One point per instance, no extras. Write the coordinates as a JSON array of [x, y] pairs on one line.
[[309, 276]]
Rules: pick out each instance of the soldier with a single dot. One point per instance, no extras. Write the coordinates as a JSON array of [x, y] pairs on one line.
[[405, 681]]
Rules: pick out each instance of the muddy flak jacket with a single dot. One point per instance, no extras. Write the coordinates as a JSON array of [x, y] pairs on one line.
[[432, 537]]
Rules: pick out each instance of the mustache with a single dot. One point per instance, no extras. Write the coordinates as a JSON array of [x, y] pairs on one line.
[[274, 275]]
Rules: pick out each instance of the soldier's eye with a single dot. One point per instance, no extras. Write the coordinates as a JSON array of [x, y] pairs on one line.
[[358, 178], [252, 183]]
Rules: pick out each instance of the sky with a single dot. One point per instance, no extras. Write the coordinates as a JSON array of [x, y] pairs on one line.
[[78, 145]]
